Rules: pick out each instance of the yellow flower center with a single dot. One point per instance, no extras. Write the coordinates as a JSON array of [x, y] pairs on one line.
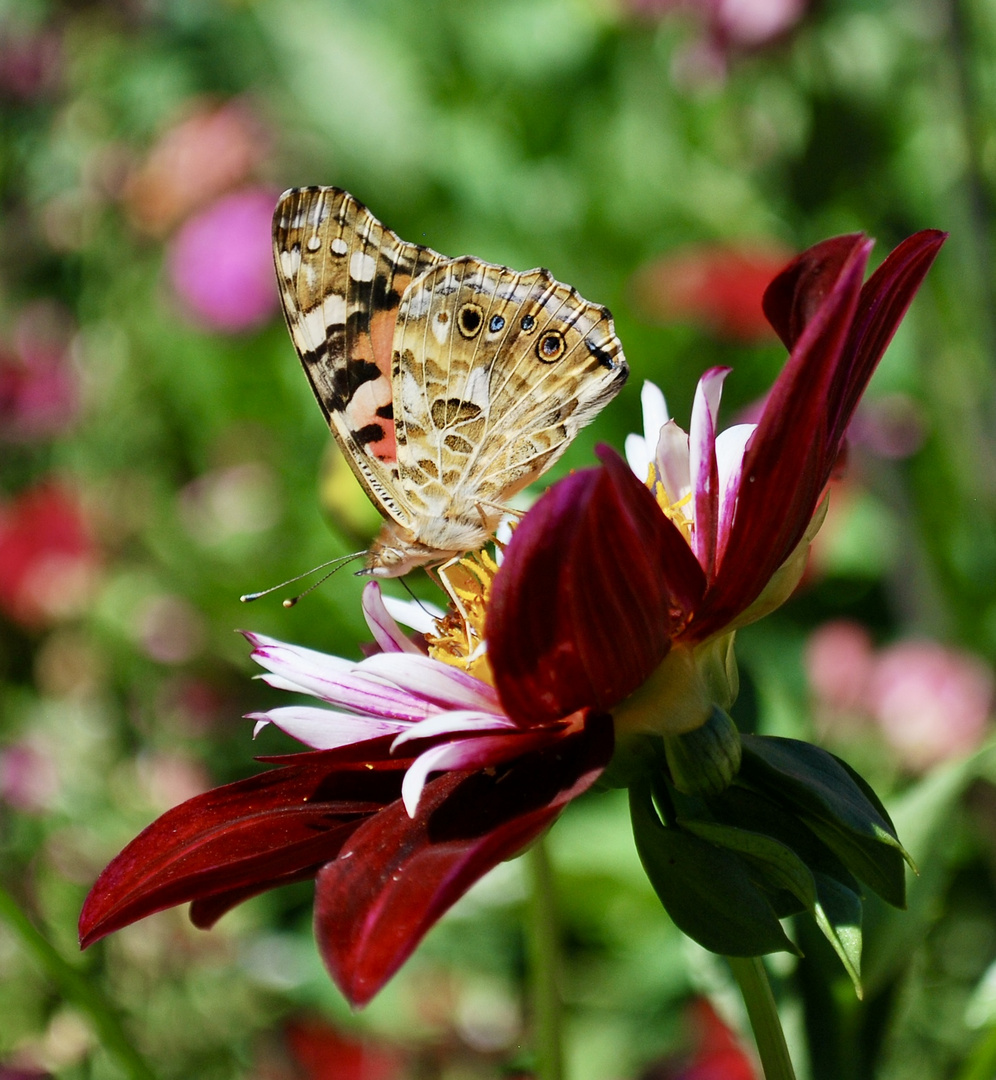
[[680, 511], [459, 637]]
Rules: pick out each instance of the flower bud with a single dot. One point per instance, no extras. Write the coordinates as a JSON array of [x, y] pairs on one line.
[[705, 761]]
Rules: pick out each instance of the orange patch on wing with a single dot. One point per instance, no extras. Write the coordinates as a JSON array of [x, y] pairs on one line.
[[362, 411]]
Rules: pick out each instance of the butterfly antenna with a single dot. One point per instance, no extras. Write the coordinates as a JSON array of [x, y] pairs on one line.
[[408, 589], [339, 561]]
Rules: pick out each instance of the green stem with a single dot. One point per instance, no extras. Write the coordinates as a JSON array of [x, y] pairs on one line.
[[753, 982], [544, 954], [76, 987]]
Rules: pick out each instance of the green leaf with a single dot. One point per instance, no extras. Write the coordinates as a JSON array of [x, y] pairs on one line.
[[773, 865], [705, 889], [838, 915], [756, 812], [834, 805], [881, 868]]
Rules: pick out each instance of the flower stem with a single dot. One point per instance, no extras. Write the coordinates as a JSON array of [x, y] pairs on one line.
[[753, 982], [76, 987], [544, 939]]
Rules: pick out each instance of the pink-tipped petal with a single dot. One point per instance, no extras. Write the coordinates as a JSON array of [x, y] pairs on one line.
[[361, 693], [481, 753], [445, 686], [703, 467], [458, 722], [386, 632], [731, 445], [326, 729]]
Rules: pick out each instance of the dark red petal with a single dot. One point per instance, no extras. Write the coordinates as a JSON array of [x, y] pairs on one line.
[[884, 300], [587, 597], [795, 295], [397, 875], [789, 456], [244, 837]]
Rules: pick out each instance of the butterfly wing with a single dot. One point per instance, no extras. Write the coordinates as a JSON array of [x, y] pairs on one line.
[[342, 275], [495, 372]]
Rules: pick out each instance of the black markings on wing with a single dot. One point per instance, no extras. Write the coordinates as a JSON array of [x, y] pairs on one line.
[[341, 276]]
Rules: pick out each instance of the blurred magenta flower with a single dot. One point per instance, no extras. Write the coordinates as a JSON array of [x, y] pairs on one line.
[[39, 390], [212, 148], [610, 582], [391, 849], [716, 286], [49, 560], [220, 264]]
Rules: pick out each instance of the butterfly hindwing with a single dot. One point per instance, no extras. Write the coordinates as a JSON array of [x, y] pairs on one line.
[[495, 372], [342, 275]]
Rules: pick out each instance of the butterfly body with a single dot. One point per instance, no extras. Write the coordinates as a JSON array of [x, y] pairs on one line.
[[449, 384]]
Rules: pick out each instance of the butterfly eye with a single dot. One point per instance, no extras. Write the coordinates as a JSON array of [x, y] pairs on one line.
[[469, 320], [550, 346], [527, 323], [497, 322]]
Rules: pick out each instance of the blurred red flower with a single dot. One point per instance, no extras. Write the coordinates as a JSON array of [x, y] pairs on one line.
[[220, 263], [49, 558], [324, 1053], [717, 286]]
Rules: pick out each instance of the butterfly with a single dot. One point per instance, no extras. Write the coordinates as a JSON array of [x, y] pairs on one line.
[[449, 384]]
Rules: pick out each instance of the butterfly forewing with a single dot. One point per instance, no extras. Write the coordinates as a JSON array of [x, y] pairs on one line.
[[342, 276], [495, 372]]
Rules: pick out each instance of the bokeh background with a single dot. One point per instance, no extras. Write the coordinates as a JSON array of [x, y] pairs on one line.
[[160, 454]]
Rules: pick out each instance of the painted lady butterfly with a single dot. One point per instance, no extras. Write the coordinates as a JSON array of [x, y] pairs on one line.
[[449, 384]]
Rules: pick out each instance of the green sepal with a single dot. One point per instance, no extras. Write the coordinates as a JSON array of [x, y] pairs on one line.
[[827, 798], [838, 915], [706, 890]]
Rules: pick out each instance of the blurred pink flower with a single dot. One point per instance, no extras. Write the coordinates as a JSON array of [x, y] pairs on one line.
[[931, 702], [210, 150], [715, 286], [28, 778], [220, 264], [48, 556], [30, 61], [39, 392], [839, 660], [728, 26]]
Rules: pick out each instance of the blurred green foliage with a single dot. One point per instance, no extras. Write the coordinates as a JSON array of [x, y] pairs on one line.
[[589, 136]]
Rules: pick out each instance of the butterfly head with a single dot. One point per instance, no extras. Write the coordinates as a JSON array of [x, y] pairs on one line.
[[396, 551]]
